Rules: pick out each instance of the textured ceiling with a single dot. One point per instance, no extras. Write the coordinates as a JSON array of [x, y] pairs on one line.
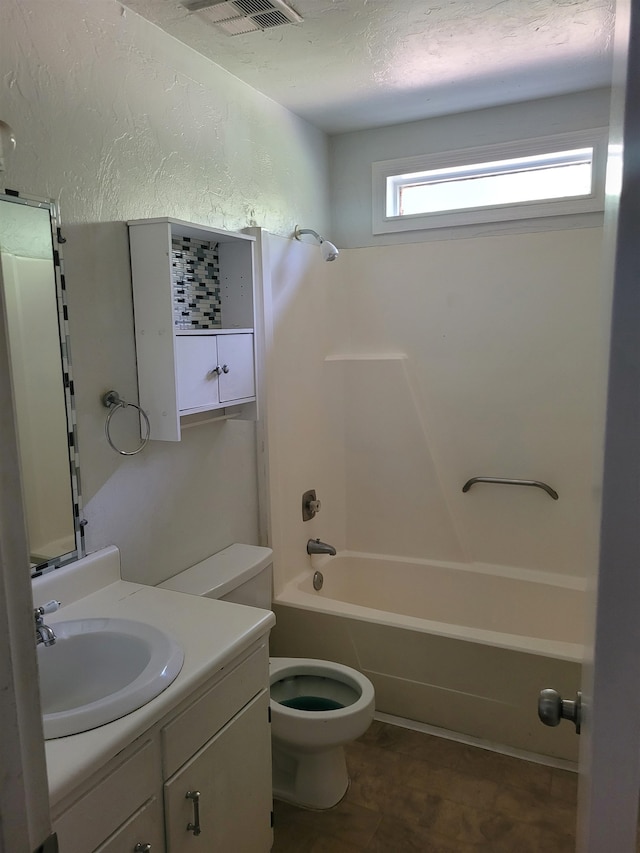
[[354, 64]]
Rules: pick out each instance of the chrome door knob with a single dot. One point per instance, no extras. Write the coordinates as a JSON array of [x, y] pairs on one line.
[[225, 368], [142, 848], [217, 369], [552, 708]]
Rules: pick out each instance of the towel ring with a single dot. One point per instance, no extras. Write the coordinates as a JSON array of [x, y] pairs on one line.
[[113, 401]]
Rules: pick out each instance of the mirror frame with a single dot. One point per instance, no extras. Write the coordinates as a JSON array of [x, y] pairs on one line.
[[15, 197]]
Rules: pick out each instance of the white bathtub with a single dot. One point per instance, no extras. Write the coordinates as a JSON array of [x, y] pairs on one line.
[[466, 648]]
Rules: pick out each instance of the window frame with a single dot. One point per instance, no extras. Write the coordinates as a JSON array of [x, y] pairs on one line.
[[382, 170]]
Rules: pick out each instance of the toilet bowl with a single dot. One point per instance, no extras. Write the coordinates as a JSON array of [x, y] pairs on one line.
[[316, 706]]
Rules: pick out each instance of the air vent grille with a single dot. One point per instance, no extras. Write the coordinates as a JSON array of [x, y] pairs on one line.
[[253, 7], [271, 19], [237, 17]]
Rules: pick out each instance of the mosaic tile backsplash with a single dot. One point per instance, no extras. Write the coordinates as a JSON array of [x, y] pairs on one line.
[[195, 276]]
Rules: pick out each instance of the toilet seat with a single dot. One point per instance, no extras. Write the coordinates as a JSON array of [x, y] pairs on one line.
[[341, 683]]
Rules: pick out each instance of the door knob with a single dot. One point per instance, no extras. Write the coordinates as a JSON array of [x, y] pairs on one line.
[[552, 708], [225, 368]]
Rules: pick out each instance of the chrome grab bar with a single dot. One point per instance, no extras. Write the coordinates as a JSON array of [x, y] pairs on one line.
[[551, 492]]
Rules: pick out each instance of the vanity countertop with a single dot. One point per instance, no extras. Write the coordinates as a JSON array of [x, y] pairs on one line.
[[210, 632]]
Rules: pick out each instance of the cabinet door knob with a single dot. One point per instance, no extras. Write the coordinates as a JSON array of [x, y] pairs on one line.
[[141, 847], [195, 826], [217, 369], [225, 368]]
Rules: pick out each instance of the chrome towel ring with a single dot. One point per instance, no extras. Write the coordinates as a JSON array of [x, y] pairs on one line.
[[113, 401]]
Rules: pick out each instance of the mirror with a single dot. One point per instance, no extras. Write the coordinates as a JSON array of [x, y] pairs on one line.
[[32, 292]]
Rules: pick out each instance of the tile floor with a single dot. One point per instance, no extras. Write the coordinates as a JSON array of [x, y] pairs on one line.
[[414, 792]]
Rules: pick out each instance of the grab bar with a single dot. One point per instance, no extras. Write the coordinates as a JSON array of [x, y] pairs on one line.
[[551, 492]]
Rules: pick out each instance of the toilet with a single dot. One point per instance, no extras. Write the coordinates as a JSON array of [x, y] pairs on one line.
[[317, 706]]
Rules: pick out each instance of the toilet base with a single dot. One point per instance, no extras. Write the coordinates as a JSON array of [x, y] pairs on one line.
[[316, 780]]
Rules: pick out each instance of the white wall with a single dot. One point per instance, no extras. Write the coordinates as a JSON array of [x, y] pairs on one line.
[[307, 312], [118, 120]]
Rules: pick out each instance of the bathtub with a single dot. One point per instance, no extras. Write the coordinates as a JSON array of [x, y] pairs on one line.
[[466, 648]]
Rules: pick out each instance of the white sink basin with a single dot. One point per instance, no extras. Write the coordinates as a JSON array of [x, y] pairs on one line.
[[99, 670]]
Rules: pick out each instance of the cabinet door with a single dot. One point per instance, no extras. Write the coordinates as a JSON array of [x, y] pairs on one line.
[[144, 827], [235, 352], [232, 772], [196, 360]]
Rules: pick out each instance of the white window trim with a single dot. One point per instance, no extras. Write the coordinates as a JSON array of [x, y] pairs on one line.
[[594, 202]]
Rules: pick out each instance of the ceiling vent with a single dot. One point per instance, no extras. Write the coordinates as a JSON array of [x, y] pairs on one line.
[[236, 17]]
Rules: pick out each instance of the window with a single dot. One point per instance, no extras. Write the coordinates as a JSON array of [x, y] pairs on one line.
[[549, 176]]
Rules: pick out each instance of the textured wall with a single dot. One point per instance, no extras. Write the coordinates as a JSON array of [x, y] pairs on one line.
[[119, 121]]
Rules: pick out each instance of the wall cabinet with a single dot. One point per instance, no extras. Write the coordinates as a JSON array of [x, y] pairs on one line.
[[217, 743], [193, 295]]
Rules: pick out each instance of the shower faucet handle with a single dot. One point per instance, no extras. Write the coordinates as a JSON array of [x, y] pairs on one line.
[[310, 505]]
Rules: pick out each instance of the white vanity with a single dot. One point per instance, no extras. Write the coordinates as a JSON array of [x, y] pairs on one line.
[[191, 769]]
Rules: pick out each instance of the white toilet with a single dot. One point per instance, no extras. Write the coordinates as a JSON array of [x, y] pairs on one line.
[[316, 706]]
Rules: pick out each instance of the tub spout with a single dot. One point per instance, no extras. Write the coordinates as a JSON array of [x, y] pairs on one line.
[[315, 546]]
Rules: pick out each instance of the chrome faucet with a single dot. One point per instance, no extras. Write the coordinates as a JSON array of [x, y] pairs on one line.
[[315, 546], [45, 634]]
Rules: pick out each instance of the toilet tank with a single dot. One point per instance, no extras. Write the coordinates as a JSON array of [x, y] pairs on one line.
[[241, 574]]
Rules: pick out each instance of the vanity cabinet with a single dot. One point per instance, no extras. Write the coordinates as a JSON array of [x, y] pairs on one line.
[[216, 743], [193, 296]]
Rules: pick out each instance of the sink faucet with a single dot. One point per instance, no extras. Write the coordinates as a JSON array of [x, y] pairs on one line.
[[45, 634], [315, 546]]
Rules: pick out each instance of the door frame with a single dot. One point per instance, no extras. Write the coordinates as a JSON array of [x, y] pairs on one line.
[[610, 743]]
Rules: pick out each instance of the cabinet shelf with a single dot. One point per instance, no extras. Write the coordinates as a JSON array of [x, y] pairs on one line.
[[193, 294]]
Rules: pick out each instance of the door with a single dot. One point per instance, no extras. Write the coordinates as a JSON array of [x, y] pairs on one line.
[[197, 372], [235, 354], [610, 739]]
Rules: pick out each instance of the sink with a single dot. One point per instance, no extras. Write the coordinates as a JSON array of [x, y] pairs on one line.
[[101, 669]]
